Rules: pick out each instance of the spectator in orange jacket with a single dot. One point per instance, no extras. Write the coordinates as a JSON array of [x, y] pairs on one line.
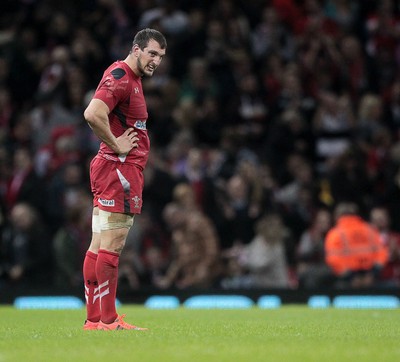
[[353, 249]]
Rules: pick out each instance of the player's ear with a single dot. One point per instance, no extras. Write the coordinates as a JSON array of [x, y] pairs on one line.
[[135, 50]]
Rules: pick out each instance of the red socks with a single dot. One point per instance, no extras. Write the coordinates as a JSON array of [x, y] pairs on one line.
[[91, 287], [107, 277]]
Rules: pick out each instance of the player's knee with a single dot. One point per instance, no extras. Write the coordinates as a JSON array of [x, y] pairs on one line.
[[112, 220]]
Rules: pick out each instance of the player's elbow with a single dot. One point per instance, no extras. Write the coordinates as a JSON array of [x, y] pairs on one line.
[[90, 117], [96, 113]]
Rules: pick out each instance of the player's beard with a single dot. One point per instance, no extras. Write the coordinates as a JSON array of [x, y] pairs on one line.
[[144, 70]]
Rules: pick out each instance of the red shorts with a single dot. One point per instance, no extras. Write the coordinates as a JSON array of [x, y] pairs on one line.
[[116, 186]]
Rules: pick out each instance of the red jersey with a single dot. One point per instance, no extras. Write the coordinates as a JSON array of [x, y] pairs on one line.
[[121, 89]]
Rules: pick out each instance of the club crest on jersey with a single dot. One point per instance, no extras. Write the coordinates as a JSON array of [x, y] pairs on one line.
[[108, 203], [136, 201], [140, 124]]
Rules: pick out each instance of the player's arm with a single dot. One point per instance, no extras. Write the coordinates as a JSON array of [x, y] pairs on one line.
[[96, 115]]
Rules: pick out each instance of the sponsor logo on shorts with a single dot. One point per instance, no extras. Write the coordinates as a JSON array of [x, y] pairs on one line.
[[140, 124], [105, 202], [136, 201]]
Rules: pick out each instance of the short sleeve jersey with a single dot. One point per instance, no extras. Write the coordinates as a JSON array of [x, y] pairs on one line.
[[121, 89]]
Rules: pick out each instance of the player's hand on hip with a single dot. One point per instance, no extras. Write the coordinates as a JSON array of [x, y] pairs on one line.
[[127, 141]]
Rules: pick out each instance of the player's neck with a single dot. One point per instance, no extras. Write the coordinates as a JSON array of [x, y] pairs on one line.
[[132, 64]]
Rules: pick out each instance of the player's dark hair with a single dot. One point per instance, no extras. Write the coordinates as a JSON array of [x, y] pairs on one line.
[[143, 37]]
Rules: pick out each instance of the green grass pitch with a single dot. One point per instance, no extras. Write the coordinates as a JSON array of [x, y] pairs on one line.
[[290, 333]]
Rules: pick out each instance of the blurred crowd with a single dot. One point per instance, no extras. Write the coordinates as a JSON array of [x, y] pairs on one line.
[[263, 117]]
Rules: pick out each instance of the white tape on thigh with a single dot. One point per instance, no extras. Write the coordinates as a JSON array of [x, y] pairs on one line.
[[112, 220], [96, 224]]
